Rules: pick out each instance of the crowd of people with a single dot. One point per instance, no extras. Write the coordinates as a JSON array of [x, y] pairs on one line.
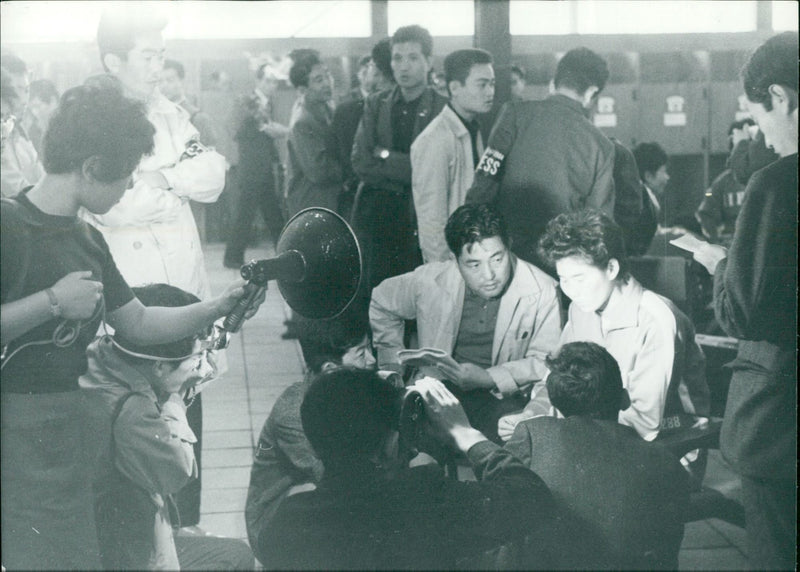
[[541, 362]]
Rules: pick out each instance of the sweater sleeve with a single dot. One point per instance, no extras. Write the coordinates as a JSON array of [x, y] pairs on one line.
[[393, 302]]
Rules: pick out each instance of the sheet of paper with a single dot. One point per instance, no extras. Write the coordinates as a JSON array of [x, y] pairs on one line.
[[689, 242]]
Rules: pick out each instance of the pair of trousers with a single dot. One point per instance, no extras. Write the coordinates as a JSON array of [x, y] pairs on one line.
[[256, 194]]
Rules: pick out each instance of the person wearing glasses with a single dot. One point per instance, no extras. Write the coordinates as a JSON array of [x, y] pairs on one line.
[[58, 282], [151, 448]]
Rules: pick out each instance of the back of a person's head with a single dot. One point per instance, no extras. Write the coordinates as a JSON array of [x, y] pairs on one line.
[[13, 64], [180, 71], [347, 414], [650, 157], [93, 121], [120, 25], [585, 380], [588, 234], [44, 90], [168, 296], [517, 70], [302, 65], [414, 34], [774, 62], [327, 341], [580, 69], [474, 222], [382, 57], [458, 64]]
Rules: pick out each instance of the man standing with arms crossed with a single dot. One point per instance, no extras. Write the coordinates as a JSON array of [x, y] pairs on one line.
[[151, 232]]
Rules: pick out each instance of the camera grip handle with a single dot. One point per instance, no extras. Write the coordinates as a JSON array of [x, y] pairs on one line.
[[233, 321]]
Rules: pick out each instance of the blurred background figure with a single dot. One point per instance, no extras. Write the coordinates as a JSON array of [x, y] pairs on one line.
[[21, 167], [173, 88], [41, 105], [518, 83]]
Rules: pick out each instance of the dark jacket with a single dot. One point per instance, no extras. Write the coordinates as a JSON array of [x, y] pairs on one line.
[[634, 212], [375, 130], [316, 176], [544, 158], [283, 458], [755, 300], [621, 500], [257, 150], [419, 520], [345, 124]]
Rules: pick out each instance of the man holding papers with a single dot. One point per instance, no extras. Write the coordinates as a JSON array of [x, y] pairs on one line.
[[496, 315]]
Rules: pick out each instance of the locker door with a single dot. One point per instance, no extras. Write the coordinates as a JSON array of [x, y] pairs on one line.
[[675, 116], [616, 113], [726, 107]]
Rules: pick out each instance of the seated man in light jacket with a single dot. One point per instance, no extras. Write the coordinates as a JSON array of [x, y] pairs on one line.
[[498, 317]]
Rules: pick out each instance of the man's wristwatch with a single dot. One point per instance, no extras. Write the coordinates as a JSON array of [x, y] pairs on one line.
[[384, 154], [55, 309]]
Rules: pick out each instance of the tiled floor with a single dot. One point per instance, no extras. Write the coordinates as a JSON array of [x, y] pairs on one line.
[[261, 365]]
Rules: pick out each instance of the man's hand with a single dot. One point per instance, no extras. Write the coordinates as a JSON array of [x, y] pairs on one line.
[[233, 293], [274, 129], [446, 416], [710, 256], [507, 424], [467, 376], [78, 295]]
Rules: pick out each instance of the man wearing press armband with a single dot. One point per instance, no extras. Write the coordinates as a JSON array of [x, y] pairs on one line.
[[546, 157], [497, 316], [151, 232]]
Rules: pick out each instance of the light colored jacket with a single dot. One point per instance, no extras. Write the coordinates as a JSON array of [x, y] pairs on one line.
[[154, 446], [441, 173], [19, 166], [653, 343], [151, 232], [527, 329]]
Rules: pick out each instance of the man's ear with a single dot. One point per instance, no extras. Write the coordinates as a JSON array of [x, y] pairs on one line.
[[91, 167], [783, 98], [112, 62], [589, 96]]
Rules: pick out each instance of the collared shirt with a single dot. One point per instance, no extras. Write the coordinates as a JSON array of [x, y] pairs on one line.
[[476, 331], [473, 128], [404, 115]]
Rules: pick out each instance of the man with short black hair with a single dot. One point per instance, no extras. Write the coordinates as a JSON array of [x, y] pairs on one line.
[[755, 300], [496, 315], [546, 157], [384, 212], [315, 175], [445, 154], [372, 512], [651, 159], [623, 499]]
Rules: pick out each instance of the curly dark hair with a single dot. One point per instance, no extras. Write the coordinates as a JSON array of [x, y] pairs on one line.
[[588, 234], [97, 120], [585, 380], [473, 223]]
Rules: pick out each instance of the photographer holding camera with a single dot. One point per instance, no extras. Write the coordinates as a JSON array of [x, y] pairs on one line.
[[370, 511]]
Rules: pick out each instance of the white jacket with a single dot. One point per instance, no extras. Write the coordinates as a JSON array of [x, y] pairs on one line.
[[441, 173], [151, 232]]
